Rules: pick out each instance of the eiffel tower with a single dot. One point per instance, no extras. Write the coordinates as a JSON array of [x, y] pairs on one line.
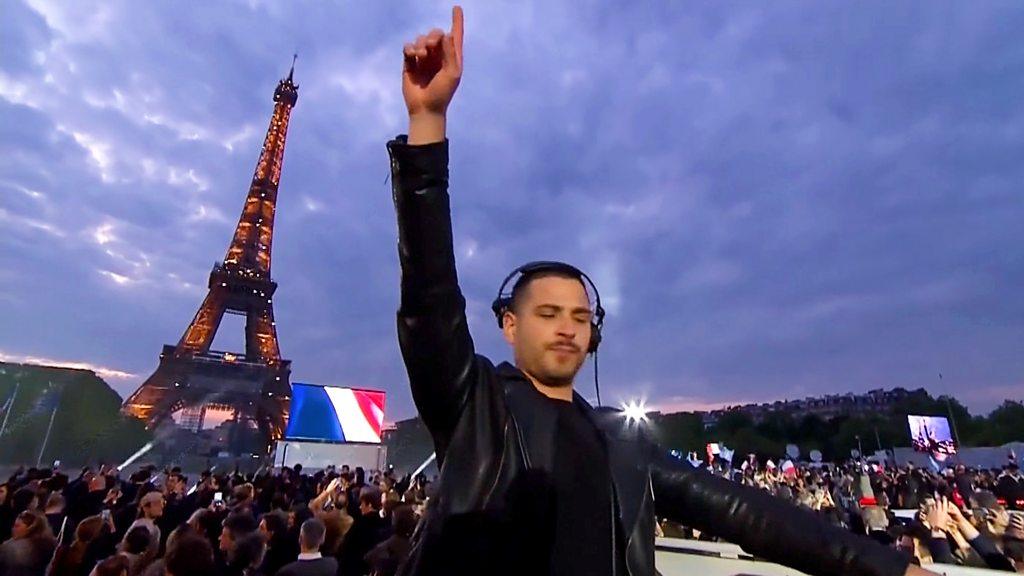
[[238, 401]]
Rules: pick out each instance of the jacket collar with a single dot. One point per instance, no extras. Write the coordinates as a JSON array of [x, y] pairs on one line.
[[536, 423]]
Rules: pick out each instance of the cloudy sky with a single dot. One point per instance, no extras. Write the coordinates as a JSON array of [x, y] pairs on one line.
[[776, 199]]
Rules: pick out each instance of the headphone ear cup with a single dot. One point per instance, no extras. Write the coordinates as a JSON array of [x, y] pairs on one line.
[[595, 338], [498, 307]]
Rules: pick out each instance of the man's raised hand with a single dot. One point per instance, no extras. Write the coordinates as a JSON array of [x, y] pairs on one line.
[[430, 75]]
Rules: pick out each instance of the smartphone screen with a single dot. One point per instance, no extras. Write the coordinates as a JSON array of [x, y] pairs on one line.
[[218, 498]]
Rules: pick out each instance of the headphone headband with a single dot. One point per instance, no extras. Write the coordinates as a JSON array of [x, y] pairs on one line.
[[503, 302]]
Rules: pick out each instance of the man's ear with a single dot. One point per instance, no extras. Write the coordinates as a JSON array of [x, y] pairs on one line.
[[508, 327]]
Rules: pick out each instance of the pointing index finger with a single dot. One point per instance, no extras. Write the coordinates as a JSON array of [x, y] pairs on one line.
[[457, 27]]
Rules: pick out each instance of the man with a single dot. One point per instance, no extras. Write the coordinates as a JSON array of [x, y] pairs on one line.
[[191, 555], [386, 557], [151, 508], [310, 562], [364, 534], [235, 529], [280, 550], [964, 482], [54, 512], [177, 504], [1010, 485], [534, 480]]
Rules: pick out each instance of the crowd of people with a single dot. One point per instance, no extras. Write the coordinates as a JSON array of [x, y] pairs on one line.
[[959, 516], [336, 521], [342, 522]]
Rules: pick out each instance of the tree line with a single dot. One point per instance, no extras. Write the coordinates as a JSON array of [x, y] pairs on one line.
[[835, 437]]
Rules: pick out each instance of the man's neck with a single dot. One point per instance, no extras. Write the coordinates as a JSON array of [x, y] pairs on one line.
[[563, 393]]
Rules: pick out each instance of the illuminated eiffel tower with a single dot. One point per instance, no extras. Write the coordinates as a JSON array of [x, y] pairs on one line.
[[246, 394]]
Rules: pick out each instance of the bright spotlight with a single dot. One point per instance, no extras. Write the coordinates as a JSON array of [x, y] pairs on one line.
[[635, 411], [136, 456]]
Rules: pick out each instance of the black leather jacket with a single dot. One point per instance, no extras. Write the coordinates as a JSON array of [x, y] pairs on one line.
[[494, 437]]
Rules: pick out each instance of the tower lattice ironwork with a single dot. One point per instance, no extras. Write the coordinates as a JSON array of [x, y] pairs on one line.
[[195, 387]]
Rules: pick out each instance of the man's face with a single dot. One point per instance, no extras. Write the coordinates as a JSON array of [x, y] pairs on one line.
[[365, 508], [155, 508], [905, 544], [264, 530], [20, 528], [550, 329], [227, 540]]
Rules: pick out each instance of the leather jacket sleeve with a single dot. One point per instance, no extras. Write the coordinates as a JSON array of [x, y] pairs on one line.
[[764, 525], [432, 329]]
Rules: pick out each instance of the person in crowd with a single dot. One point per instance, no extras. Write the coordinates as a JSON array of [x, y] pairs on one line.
[[1013, 542], [310, 561], [178, 504], [136, 547], [330, 506], [30, 548], [70, 558], [6, 512], [246, 555], [116, 565], [150, 509], [236, 529], [1010, 486], [979, 530], [198, 520], [191, 555], [242, 499], [159, 566], [385, 558], [54, 512], [24, 498], [274, 528], [355, 489], [362, 537]]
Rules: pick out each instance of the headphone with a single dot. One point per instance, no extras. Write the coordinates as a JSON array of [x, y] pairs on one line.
[[503, 302]]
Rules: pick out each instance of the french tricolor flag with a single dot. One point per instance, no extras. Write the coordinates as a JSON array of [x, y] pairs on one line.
[[335, 414]]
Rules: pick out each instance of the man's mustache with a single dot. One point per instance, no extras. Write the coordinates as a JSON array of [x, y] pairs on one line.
[[564, 346]]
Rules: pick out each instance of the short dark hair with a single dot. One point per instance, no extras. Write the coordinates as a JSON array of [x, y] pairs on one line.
[[312, 532], [276, 522], [240, 523], [248, 551], [372, 498], [21, 499], [113, 566], [191, 555], [524, 281], [137, 540], [403, 520]]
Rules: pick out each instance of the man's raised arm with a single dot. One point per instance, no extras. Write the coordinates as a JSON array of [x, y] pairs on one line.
[[432, 328]]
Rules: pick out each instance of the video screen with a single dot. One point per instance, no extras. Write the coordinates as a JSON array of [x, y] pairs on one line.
[[931, 434], [335, 414]]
